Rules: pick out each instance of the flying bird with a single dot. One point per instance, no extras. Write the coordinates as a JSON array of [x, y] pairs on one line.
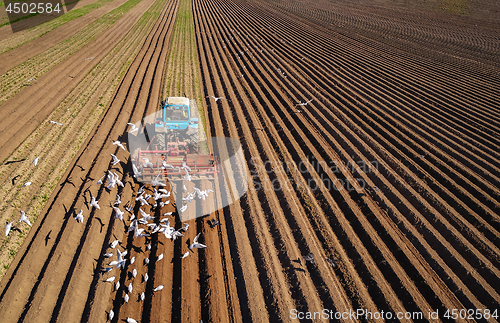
[[114, 244], [118, 200], [119, 213], [196, 244], [136, 171], [115, 159], [134, 128], [58, 123], [119, 144], [216, 98], [79, 216], [94, 203], [303, 103], [24, 219], [8, 227], [99, 182], [310, 258]]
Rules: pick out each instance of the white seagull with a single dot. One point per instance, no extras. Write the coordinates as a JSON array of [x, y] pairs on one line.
[[94, 203], [134, 128], [99, 182], [114, 244], [119, 213], [134, 272], [160, 257], [35, 161], [130, 288], [117, 285], [26, 184], [158, 288], [111, 315], [115, 159], [185, 255], [110, 279], [196, 244], [143, 296], [8, 227], [305, 103], [119, 144], [79, 216], [126, 300], [216, 98], [24, 219]]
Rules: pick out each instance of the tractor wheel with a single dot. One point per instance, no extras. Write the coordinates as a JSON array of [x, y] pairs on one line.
[[160, 139], [194, 144]]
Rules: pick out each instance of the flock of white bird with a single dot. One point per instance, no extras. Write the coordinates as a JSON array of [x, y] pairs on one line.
[[142, 224]]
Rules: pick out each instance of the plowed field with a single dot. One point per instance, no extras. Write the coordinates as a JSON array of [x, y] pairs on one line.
[[371, 135]]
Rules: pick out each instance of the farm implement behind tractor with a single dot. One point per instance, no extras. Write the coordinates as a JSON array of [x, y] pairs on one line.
[[173, 149]]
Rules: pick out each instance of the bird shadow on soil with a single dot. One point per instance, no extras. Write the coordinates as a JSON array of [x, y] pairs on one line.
[[67, 180], [14, 161], [47, 237], [100, 222]]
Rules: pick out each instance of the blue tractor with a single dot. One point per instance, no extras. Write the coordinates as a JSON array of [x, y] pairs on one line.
[[177, 122]]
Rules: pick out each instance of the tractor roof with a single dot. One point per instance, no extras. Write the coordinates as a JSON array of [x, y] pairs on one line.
[[175, 100]]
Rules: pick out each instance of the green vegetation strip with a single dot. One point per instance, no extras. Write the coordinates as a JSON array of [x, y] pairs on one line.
[[184, 61], [15, 79], [79, 112], [57, 22]]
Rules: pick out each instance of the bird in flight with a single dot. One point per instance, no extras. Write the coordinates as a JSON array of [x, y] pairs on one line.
[[310, 258], [196, 244], [119, 144], [24, 219], [115, 159], [54, 122], [99, 182], [119, 213], [94, 203], [304, 103], [134, 128], [216, 98], [8, 227], [79, 216]]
